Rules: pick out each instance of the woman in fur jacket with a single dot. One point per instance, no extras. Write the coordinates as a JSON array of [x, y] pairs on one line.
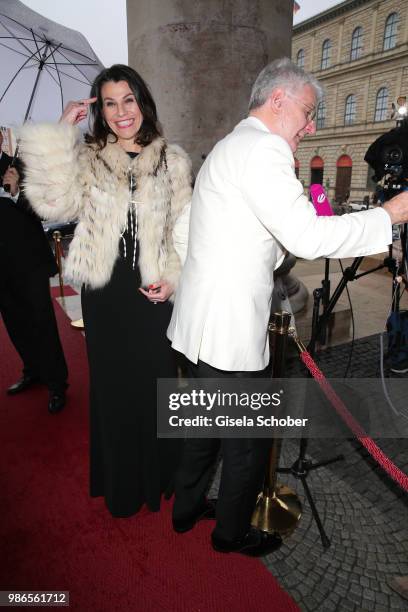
[[129, 192]]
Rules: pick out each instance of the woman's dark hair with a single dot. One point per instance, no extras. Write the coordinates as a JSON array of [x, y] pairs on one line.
[[150, 128]]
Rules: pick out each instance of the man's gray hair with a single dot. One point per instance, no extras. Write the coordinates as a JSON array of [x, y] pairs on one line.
[[281, 73]]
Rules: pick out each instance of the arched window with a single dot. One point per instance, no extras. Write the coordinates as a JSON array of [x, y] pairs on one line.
[[390, 31], [350, 110], [344, 167], [297, 167], [344, 161], [356, 43], [300, 58], [316, 170], [321, 114], [381, 104], [326, 53]]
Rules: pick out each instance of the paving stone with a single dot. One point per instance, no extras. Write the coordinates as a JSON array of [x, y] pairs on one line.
[[355, 598], [356, 588], [364, 581], [370, 573], [342, 591], [348, 604], [329, 606], [369, 595], [382, 599], [395, 605]]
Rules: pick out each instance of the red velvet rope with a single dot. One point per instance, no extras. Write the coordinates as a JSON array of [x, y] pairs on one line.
[[384, 462]]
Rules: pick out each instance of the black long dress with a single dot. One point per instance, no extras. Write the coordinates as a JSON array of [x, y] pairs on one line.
[[127, 352]]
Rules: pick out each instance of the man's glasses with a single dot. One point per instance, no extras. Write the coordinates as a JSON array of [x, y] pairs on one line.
[[311, 112]]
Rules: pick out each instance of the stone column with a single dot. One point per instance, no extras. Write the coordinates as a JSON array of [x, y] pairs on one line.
[[200, 58]]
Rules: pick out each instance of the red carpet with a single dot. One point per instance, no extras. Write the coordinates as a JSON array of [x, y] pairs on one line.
[[54, 537]]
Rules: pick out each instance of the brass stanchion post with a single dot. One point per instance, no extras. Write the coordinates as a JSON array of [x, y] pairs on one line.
[[58, 252], [278, 508]]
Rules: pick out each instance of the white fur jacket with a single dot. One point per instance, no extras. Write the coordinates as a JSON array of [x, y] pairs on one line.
[[68, 180]]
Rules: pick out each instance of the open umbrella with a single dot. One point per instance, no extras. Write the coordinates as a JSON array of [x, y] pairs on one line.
[[43, 65]]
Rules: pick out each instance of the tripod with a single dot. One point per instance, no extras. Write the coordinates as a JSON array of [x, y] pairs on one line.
[[301, 467], [321, 296]]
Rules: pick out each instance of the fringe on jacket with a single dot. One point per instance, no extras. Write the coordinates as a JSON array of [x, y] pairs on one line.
[[68, 180]]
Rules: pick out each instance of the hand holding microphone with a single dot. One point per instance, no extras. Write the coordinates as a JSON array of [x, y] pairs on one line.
[[320, 201], [397, 207]]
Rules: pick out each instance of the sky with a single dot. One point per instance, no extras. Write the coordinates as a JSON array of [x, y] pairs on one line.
[[102, 22], [309, 8]]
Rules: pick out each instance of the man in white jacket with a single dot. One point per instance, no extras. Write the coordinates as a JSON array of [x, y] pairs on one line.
[[248, 207]]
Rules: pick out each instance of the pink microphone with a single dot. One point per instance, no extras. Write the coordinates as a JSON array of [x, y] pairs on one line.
[[320, 201]]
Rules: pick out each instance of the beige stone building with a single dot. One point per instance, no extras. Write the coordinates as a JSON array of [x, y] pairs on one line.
[[359, 52]]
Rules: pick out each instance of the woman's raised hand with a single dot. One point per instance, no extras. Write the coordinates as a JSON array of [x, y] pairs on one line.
[[74, 112]]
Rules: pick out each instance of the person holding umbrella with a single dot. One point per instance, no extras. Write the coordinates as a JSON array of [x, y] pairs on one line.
[[130, 192]]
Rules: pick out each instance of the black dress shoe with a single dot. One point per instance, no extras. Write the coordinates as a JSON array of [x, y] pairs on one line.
[[206, 512], [254, 544], [56, 402], [21, 385]]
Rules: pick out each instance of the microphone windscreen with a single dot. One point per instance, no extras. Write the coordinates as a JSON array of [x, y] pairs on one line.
[[320, 201]]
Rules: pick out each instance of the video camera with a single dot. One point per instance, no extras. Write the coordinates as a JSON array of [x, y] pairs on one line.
[[388, 156]]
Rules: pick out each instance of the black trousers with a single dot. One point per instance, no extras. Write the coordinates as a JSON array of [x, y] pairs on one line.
[[243, 470], [28, 314]]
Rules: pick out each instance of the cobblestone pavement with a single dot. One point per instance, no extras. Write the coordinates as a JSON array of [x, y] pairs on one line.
[[363, 512], [365, 517]]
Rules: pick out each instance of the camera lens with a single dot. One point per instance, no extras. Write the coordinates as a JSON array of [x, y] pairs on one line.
[[392, 154]]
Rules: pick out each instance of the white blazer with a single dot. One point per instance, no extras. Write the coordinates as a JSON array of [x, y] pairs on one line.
[[248, 206]]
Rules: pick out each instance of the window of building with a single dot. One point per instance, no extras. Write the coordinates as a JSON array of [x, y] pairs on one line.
[[343, 178], [316, 170], [356, 43], [297, 167], [350, 110], [390, 31], [381, 104], [321, 114], [326, 53], [300, 58]]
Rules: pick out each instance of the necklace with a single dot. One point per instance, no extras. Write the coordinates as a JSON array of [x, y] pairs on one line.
[[131, 224]]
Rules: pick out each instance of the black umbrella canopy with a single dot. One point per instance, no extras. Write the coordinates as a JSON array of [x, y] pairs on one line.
[[43, 65]]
